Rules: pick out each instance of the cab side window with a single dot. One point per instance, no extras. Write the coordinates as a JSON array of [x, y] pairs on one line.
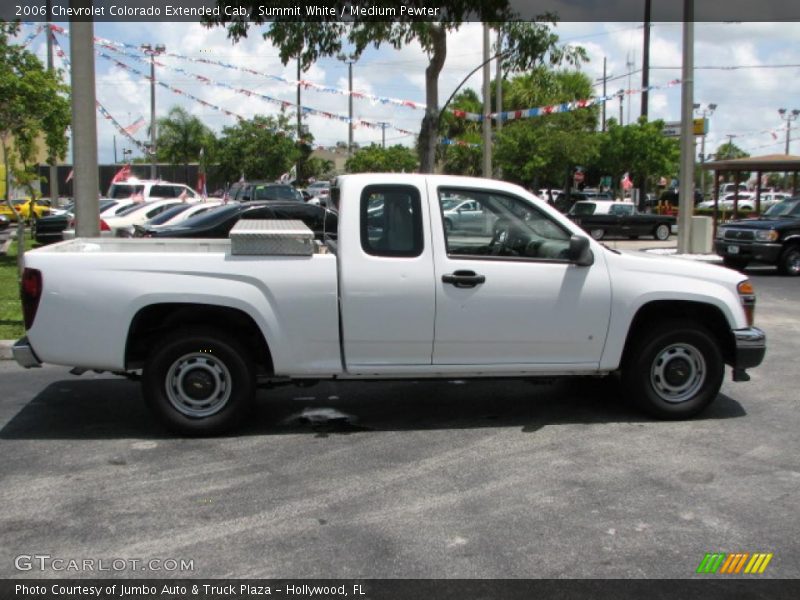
[[507, 227], [391, 221]]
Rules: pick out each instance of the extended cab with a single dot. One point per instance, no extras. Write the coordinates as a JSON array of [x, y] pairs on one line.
[[398, 296]]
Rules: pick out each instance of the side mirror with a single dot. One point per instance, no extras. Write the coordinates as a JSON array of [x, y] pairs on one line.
[[579, 252]]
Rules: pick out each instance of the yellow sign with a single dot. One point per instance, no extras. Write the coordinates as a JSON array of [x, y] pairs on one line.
[[700, 126]]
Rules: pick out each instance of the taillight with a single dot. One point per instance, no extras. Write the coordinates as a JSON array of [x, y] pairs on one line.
[[30, 293], [747, 296], [71, 223], [104, 226]]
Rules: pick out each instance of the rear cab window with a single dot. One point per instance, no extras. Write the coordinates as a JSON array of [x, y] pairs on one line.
[[391, 221]]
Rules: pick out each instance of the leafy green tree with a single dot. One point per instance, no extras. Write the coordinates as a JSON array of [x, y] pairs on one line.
[[34, 106], [258, 148], [545, 150], [639, 149], [376, 159], [318, 168], [523, 44], [181, 137], [462, 158], [728, 151]]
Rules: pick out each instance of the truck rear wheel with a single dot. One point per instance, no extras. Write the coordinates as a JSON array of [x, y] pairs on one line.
[[673, 371], [199, 382]]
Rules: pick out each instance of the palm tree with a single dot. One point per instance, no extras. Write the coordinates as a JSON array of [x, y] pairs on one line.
[[181, 137]]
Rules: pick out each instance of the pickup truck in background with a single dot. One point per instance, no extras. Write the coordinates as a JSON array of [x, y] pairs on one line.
[[399, 295], [600, 219]]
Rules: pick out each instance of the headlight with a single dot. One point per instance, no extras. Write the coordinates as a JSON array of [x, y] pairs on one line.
[[767, 235], [721, 232]]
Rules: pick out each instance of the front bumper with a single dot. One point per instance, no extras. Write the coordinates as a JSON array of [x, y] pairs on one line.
[[24, 355], [751, 346], [766, 252]]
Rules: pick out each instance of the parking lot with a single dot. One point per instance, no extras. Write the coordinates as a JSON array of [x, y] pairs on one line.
[[438, 479]]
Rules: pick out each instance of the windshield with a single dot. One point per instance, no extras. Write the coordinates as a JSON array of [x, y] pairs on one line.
[[213, 216], [132, 208], [787, 208], [165, 216]]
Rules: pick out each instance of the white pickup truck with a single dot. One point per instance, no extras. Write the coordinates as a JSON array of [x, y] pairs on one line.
[[522, 292]]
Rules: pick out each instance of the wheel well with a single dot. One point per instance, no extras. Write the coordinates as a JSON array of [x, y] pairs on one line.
[[708, 315], [156, 320]]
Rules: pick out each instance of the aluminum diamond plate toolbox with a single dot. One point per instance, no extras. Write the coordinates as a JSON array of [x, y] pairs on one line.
[[270, 237]]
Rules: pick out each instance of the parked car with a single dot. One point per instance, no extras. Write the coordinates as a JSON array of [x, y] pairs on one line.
[[746, 202], [203, 326], [321, 190], [254, 191], [50, 229], [172, 216], [135, 214], [150, 189], [25, 208], [465, 215], [4, 222], [773, 239], [600, 219], [218, 222]]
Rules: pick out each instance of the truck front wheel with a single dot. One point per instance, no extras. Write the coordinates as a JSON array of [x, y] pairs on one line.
[[673, 371], [199, 382]]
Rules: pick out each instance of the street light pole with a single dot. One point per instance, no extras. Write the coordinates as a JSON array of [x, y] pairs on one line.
[[52, 159], [705, 113], [487, 106], [153, 52]]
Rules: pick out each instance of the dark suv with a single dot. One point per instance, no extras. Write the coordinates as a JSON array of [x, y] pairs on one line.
[[252, 191], [773, 238]]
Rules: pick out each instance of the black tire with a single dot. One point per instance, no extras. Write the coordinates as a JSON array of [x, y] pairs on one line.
[[662, 232], [789, 262], [738, 264], [448, 225], [597, 233], [212, 363], [674, 370]]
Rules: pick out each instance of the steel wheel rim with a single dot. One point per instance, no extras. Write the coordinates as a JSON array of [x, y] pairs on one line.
[[662, 232], [597, 234], [198, 385], [678, 372]]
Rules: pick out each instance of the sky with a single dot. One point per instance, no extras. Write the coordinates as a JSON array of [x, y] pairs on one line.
[[743, 79]]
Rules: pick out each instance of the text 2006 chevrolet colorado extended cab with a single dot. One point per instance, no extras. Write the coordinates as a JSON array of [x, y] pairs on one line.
[[515, 290]]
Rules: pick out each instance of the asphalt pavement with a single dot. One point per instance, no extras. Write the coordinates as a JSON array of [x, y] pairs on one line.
[[433, 479]]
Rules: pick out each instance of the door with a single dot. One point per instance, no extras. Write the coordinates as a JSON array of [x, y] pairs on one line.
[[511, 297], [387, 301]]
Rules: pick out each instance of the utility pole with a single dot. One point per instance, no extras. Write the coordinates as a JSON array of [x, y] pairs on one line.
[[299, 116], [383, 135], [686, 191], [498, 94], [153, 52], [349, 59], [646, 59], [605, 80], [487, 106], [788, 116], [52, 159], [84, 124], [621, 94]]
